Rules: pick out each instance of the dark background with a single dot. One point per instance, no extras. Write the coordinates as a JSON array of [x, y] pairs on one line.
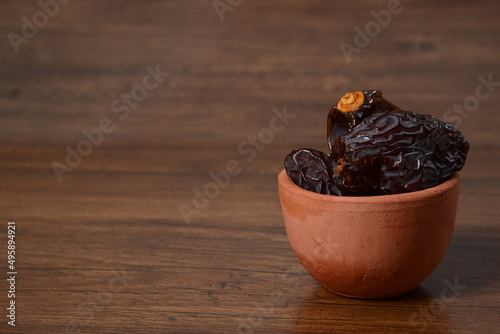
[[108, 250]]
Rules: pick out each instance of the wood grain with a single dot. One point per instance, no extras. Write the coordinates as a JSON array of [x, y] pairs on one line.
[[108, 251]]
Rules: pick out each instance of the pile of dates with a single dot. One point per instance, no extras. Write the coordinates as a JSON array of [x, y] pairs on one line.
[[378, 149]]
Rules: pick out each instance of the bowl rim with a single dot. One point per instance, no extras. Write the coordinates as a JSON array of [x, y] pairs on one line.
[[286, 182]]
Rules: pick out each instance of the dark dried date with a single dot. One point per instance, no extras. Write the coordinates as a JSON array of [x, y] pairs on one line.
[[312, 170], [351, 109], [397, 152]]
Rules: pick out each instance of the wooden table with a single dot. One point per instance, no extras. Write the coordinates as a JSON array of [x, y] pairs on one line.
[[171, 92]]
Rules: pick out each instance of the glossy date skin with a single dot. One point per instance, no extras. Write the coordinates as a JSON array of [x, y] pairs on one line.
[[397, 152], [378, 149], [387, 153], [312, 170], [353, 108]]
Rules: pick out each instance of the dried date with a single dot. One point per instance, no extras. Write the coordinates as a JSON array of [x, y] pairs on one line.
[[312, 170], [351, 109], [397, 152]]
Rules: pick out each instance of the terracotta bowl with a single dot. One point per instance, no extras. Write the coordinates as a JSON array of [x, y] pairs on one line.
[[369, 247]]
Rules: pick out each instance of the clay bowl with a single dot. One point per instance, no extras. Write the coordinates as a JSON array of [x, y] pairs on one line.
[[369, 247]]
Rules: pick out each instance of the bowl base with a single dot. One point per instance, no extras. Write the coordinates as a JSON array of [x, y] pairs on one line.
[[368, 297]]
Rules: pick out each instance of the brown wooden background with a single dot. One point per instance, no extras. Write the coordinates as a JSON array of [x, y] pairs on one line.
[[107, 250]]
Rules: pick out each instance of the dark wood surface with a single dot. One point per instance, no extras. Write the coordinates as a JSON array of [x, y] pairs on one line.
[[107, 250]]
